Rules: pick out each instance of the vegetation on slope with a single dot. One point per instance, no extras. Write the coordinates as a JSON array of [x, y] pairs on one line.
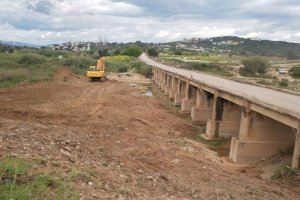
[[34, 65]]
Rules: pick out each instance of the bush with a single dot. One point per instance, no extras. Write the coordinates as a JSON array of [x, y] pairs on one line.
[[177, 52], [284, 82], [122, 69], [142, 68], [254, 66], [152, 52], [80, 62], [119, 58], [2, 48], [132, 50], [295, 72], [116, 52], [10, 51], [31, 59]]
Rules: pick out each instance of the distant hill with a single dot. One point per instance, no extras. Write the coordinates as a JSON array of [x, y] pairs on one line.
[[239, 45], [18, 44]]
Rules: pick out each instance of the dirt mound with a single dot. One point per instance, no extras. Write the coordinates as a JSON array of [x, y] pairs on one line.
[[65, 74]]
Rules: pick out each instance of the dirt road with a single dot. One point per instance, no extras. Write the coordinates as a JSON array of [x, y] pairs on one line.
[[129, 143]]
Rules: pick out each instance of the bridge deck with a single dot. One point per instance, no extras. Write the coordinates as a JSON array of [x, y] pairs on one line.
[[278, 101]]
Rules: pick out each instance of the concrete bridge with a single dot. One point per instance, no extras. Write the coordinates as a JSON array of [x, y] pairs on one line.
[[261, 122]]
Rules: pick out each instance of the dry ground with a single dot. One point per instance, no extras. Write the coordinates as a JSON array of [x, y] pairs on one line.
[[129, 144]]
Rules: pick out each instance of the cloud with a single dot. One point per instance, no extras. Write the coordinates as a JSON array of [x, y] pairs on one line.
[[55, 21], [42, 6]]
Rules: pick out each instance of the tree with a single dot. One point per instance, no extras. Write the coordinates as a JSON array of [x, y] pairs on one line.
[[152, 52], [177, 52], [132, 50], [295, 72], [254, 66], [117, 52], [10, 51], [103, 52], [2, 48]]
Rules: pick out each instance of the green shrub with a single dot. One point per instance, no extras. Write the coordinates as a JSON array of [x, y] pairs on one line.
[[152, 52], [284, 82], [142, 68], [52, 54], [117, 52], [254, 66], [79, 61], [119, 58], [177, 52], [213, 68], [10, 51], [2, 48], [122, 69], [31, 59], [295, 72], [12, 77], [133, 50]]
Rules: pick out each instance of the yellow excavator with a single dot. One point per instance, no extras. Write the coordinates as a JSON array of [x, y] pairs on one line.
[[97, 73]]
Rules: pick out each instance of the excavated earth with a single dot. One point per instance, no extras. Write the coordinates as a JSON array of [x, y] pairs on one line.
[[128, 143]]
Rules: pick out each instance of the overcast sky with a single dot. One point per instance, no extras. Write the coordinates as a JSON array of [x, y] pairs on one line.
[[57, 21]]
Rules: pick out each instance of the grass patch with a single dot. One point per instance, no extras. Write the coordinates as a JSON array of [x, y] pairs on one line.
[[284, 172], [212, 143], [17, 182], [119, 58]]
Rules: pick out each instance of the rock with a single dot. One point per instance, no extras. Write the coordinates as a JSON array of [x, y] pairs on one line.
[[188, 149], [67, 149], [90, 184], [150, 178], [66, 153], [1, 143], [106, 187]]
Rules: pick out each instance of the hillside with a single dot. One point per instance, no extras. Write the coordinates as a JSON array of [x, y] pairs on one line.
[[239, 45]]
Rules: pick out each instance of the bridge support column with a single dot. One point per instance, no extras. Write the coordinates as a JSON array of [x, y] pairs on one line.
[[154, 78], [296, 154], [173, 87], [179, 93], [163, 84], [160, 82], [186, 102], [212, 128], [201, 112], [225, 119], [259, 137], [167, 85]]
